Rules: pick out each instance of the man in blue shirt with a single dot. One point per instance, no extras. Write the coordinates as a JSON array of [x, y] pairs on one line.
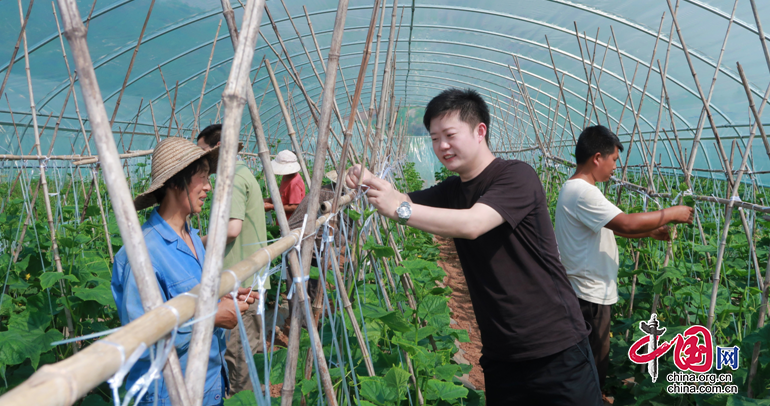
[[180, 184]]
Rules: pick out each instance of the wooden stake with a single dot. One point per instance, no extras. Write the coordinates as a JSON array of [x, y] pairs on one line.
[[123, 206]]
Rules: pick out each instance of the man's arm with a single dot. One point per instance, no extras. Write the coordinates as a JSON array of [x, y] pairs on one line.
[[641, 223], [234, 227], [467, 223], [661, 234]]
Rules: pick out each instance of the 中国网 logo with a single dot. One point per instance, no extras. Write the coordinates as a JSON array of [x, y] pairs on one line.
[[693, 351]]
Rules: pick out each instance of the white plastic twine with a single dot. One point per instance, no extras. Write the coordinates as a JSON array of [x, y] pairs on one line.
[[296, 247], [142, 384], [258, 394], [687, 192], [125, 366]]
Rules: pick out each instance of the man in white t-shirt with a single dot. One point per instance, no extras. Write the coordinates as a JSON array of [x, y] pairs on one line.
[[586, 226]]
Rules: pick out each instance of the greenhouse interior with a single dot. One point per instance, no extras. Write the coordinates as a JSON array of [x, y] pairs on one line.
[[325, 283]]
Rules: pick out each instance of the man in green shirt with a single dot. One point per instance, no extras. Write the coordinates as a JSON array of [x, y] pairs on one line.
[[246, 233]]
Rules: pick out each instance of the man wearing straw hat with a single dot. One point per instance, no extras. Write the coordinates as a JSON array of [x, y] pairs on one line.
[[180, 184], [246, 234], [292, 186]]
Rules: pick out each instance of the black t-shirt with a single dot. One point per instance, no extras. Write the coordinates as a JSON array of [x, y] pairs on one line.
[[524, 304]]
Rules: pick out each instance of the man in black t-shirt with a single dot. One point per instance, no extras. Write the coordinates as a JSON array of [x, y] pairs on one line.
[[535, 348]]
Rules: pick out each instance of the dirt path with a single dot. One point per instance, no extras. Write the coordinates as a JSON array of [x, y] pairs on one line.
[[462, 309]]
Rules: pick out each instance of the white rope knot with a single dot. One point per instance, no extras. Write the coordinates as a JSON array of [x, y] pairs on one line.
[[736, 198], [125, 366], [296, 280]]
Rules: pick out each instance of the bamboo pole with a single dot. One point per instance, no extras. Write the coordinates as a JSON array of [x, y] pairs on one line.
[[706, 102], [313, 204], [373, 93], [101, 212], [44, 182], [590, 96], [761, 33], [131, 64], [61, 384], [288, 387], [123, 207], [233, 98], [766, 284], [348, 133], [528, 102], [637, 111], [385, 92], [206, 78], [561, 91], [22, 32], [287, 118], [729, 210]]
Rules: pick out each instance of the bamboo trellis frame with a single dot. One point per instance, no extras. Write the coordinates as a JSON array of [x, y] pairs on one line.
[[544, 136]]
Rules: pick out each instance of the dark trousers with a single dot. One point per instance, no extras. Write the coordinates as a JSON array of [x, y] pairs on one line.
[[598, 316], [567, 378]]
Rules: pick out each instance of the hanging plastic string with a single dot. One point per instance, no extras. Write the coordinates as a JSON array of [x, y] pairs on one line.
[[164, 347], [258, 395], [328, 247], [86, 337], [297, 247], [125, 366], [332, 324]]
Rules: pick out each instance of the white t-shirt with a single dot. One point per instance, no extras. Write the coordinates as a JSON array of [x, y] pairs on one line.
[[588, 250]]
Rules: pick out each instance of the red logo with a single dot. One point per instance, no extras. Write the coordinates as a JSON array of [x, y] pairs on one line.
[[689, 353]]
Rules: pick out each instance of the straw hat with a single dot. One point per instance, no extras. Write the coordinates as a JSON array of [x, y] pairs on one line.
[[171, 156], [332, 175], [285, 163]]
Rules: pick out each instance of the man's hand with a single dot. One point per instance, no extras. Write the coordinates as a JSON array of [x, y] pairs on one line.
[[226, 317], [269, 206], [247, 295], [682, 214], [661, 233], [381, 193]]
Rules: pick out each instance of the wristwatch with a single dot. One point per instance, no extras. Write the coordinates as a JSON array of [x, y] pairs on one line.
[[404, 211]]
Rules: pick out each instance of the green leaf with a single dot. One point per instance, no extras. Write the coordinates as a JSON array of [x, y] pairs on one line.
[[396, 321], [308, 385], [397, 378], [435, 390], [433, 305], [375, 390], [378, 250], [421, 333], [278, 366], [100, 294], [354, 215], [18, 345], [49, 279], [243, 398], [447, 372], [738, 400], [400, 270]]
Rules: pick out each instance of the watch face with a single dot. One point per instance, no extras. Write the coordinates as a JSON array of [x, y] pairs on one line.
[[404, 211]]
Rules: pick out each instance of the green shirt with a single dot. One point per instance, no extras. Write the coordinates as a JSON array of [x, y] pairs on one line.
[[247, 205]]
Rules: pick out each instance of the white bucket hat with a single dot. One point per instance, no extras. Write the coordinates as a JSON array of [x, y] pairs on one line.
[[285, 163], [331, 175]]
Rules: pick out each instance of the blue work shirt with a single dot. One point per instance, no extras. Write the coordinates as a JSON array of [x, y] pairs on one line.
[[177, 271]]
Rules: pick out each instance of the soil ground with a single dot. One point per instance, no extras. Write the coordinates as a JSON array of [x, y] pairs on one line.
[[462, 309]]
